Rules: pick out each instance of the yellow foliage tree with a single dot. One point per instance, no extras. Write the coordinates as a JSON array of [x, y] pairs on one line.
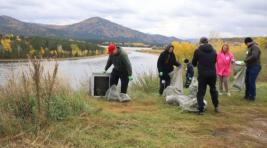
[[97, 52], [42, 51], [238, 49], [262, 41], [31, 51], [60, 50], [183, 50], [6, 43], [75, 50]]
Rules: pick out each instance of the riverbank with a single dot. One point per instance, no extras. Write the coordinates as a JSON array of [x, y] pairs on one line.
[[51, 59], [151, 51], [145, 120]]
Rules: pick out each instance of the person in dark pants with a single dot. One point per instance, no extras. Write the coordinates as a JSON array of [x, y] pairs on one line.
[[205, 59], [189, 73], [253, 64], [122, 67], [165, 64]]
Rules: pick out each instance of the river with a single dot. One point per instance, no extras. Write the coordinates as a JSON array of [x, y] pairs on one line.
[[78, 72]]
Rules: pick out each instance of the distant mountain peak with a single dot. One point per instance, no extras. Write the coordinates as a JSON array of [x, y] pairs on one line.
[[94, 19], [95, 28], [7, 17]]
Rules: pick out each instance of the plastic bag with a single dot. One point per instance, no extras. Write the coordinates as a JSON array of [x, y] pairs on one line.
[[191, 105], [172, 99], [113, 94], [239, 78], [177, 79], [174, 96], [171, 90], [193, 88]]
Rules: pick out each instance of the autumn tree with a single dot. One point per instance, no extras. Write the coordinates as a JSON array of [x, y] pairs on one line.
[[74, 50], [6, 44], [183, 50]]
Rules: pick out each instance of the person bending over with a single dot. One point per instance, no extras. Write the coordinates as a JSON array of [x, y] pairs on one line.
[[122, 67]]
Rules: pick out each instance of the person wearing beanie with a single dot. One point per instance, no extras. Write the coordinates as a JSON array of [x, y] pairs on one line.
[[253, 64], [122, 67], [189, 73], [165, 64], [203, 40], [205, 59]]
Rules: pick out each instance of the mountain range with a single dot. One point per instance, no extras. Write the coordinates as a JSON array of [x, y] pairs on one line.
[[92, 29]]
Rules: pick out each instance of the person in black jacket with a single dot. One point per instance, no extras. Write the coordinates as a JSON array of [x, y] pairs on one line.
[[205, 59], [165, 65], [122, 67], [189, 73], [253, 64]]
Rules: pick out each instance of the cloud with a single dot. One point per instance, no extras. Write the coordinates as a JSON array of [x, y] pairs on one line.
[[183, 18]]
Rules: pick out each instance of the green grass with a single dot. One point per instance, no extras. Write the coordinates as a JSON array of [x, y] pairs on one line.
[[148, 121]]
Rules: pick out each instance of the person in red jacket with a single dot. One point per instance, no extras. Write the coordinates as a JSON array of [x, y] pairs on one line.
[[223, 68]]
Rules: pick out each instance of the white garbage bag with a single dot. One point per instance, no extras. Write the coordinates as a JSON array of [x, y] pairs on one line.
[[177, 79], [239, 78], [172, 100], [191, 105], [193, 88], [175, 96], [171, 90], [113, 94]]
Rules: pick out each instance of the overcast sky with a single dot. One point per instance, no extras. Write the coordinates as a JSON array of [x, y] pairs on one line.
[[179, 18]]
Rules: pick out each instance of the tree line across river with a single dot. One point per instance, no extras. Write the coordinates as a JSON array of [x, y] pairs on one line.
[[19, 47]]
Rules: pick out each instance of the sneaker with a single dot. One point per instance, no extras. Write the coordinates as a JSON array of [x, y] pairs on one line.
[[217, 109], [229, 94]]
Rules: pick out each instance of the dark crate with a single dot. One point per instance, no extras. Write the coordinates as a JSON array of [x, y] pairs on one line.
[[100, 84]]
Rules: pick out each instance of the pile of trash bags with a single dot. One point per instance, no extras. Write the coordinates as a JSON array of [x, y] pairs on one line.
[[174, 94], [113, 94]]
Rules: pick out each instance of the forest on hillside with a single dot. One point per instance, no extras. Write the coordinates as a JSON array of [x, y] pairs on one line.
[[22, 47]]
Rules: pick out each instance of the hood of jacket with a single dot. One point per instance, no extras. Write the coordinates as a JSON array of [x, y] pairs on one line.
[[206, 48]]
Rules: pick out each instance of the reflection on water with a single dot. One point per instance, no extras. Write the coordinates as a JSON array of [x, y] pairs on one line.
[[79, 71]]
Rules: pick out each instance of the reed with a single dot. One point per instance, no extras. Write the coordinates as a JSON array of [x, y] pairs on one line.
[[31, 99]]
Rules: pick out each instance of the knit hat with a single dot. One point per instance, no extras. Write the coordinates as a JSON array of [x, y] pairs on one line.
[[248, 40], [111, 48], [203, 40]]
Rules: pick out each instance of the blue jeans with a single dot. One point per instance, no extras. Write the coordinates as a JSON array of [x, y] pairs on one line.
[[251, 77]]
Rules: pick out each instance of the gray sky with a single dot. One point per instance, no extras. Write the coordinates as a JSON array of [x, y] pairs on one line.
[[179, 18]]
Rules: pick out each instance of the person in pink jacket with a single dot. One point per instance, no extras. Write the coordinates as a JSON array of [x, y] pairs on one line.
[[223, 68]]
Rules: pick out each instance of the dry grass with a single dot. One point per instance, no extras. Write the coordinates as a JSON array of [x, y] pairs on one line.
[[148, 121], [31, 100]]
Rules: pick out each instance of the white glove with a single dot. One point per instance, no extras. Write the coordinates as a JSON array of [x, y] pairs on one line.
[[239, 62]]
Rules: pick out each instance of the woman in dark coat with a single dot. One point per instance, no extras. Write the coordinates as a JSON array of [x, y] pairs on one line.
[[165, 65]]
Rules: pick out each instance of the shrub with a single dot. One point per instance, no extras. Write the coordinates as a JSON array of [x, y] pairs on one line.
[[36, 97]]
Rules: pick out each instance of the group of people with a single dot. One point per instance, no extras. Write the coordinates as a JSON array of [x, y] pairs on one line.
[[210, 64]]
